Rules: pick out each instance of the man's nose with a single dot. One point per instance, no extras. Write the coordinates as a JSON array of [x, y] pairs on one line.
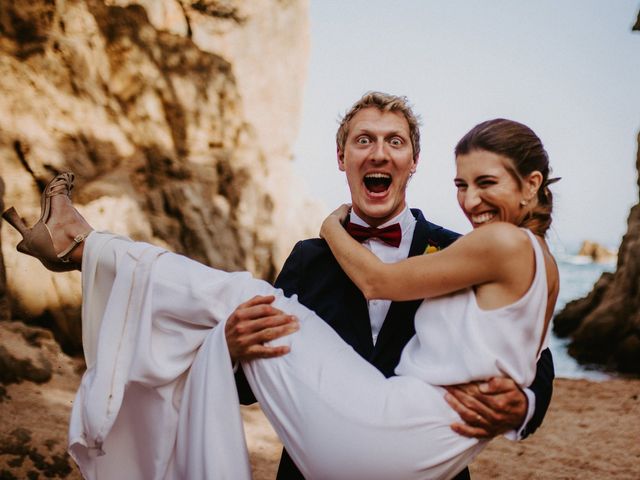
[[379, 152]]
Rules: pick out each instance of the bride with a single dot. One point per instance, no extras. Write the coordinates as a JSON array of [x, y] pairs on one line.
[[158, 399]]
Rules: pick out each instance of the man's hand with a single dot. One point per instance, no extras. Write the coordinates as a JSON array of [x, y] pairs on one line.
[[487, 408], [254, 323]]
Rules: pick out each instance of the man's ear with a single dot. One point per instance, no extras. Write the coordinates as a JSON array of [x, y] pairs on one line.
[[340, 156], [415, 164]]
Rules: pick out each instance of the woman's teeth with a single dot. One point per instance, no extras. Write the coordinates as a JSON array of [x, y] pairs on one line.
[[482, 218]]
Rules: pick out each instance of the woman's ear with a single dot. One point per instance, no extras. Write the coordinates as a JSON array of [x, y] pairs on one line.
[[532, 184]]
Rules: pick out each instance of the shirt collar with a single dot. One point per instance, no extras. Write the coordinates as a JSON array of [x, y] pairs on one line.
[[404, 218]]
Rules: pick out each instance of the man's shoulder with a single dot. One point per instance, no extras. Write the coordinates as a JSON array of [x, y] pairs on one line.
[[312, 243], [309, 268], [311, 247], [309, 253], [435, 234]]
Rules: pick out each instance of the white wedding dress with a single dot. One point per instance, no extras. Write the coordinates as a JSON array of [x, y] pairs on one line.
[[158, 399]]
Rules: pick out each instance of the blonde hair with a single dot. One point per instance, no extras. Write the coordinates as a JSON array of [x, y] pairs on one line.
[[385, 103]]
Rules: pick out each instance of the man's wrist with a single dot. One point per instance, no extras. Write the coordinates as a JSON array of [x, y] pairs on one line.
[[519, 433]]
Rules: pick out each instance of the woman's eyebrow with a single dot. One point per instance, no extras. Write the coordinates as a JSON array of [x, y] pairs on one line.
[[485, 177]]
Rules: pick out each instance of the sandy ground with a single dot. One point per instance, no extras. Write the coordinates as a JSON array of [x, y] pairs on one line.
[[592, 431]]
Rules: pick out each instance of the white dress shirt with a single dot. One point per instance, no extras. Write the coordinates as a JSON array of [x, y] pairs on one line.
[[378, 309]]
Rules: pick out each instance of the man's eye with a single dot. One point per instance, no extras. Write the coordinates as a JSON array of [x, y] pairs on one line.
[[362, 140], [396, 142]]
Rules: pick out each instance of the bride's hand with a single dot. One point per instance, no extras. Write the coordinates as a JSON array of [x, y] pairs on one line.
[[335, 218]]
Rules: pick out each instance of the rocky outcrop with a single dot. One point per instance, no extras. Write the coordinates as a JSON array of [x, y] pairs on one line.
[[604, 327], [37, 385], [178, 118], [597, 253]]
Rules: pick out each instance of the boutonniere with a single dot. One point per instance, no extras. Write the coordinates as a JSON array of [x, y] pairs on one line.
[[431, 249]]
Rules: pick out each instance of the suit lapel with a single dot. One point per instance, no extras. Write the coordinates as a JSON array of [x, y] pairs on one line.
[[420, 234], [355, 312], [358, 313]]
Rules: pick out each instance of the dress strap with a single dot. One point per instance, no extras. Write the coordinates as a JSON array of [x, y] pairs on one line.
[[540, 284]]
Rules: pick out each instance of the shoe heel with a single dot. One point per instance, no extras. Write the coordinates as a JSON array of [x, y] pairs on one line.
[[22, 248], [15, 221]]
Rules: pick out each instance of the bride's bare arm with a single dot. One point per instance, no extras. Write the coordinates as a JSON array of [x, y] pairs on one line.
[[497, 252]]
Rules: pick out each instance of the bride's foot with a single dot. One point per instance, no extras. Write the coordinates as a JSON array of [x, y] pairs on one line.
[[57, 239], [68, 229]]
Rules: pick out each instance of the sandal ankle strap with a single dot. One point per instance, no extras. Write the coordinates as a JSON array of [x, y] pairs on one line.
[[78, 239]]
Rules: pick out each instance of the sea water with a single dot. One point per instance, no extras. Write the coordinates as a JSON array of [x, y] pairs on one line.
[[578, 274]]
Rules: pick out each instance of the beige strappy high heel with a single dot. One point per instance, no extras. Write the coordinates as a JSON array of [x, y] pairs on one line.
[[37, 240]]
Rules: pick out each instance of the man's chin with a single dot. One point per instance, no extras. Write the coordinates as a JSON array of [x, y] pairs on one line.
[[376, 214]]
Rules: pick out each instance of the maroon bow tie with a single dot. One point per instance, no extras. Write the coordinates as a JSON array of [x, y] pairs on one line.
[[390, 235]]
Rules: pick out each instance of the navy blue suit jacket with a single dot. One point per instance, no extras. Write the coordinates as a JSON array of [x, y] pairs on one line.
[[312, 272]]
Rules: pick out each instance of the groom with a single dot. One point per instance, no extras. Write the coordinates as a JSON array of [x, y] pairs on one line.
[[377, 172]]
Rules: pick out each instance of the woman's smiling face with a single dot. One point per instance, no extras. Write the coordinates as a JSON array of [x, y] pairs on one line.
[[487, 190]]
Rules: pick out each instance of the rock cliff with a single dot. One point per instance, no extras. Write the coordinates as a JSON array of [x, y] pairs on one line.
[[178, 118], [604, 327], [37, 386]]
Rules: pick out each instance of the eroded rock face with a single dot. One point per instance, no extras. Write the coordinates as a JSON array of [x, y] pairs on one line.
[[37, 384], [604, 327], [178, 118]]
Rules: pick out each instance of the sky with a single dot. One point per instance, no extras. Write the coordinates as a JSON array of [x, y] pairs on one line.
[[569, 69]]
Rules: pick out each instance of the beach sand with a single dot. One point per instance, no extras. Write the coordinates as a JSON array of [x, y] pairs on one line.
[[592, 431]]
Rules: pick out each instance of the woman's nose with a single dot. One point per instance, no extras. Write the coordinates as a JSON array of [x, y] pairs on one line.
[[471, 199]]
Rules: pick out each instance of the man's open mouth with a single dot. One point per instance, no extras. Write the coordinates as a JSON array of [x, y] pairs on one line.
[[377, 182]]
